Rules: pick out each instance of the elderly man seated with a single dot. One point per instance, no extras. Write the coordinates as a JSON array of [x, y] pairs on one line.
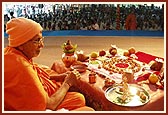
[[27, 86]]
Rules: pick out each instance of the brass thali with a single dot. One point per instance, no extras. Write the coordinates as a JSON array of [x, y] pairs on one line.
[[138, 96]]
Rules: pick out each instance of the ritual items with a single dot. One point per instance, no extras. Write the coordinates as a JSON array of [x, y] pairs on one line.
[[69, 56], [156, 64], [123, 79], [126, 53], [93, 55], [92, 77], [113, 50], [153, 78], [127, 95], [129, 65], [102, 52], [131, 50], [81, 56], [129, 76], [79, 67], [109, 82], [118, 65]]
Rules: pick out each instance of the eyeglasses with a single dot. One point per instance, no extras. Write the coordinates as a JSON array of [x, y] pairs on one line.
[[39, 40]]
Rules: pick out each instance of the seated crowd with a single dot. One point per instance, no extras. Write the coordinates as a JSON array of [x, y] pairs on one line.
[[101, 15]]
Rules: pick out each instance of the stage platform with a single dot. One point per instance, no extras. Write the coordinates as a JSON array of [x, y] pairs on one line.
[[52, 50]]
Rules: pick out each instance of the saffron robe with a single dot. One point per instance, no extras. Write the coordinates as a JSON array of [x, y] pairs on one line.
[[130, 23], [26, 85]]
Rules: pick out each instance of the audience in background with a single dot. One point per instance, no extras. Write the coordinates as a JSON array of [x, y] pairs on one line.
[[131, 22], [94, 25], [81, 18]]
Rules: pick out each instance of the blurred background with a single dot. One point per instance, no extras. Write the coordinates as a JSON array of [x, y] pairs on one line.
[[66, 16]]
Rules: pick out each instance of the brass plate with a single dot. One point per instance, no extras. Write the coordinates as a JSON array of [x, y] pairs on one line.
[[137, 96]]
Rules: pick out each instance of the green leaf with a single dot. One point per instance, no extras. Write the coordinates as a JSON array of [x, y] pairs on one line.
[[68, 51]]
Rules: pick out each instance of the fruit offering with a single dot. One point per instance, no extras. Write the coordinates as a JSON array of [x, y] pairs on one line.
[[102, 52], [68, 47], [113, 50], [94, 55], [153, 78], [126, 53], [131, 50]]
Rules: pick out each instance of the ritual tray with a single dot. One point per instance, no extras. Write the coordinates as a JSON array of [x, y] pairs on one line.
[[114, 95], [97, 66]]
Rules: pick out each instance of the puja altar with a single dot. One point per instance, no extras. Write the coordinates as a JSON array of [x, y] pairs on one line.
[[122, 80], [95, 92]]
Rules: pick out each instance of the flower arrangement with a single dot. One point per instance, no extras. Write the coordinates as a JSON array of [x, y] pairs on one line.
[[68, 47]]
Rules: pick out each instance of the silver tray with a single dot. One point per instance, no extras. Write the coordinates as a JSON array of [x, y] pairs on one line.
[[135, 98]]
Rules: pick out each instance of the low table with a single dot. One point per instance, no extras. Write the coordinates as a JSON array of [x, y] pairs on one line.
[[95, 96]]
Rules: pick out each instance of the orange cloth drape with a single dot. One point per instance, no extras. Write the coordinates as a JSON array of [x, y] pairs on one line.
[[26, 84], [130, 23], [22, 88]]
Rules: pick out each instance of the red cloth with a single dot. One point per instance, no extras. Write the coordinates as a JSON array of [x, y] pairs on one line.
[[144, 57], [145, 76]]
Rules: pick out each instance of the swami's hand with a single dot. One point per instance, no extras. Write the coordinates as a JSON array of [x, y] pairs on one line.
[[72, 78]]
